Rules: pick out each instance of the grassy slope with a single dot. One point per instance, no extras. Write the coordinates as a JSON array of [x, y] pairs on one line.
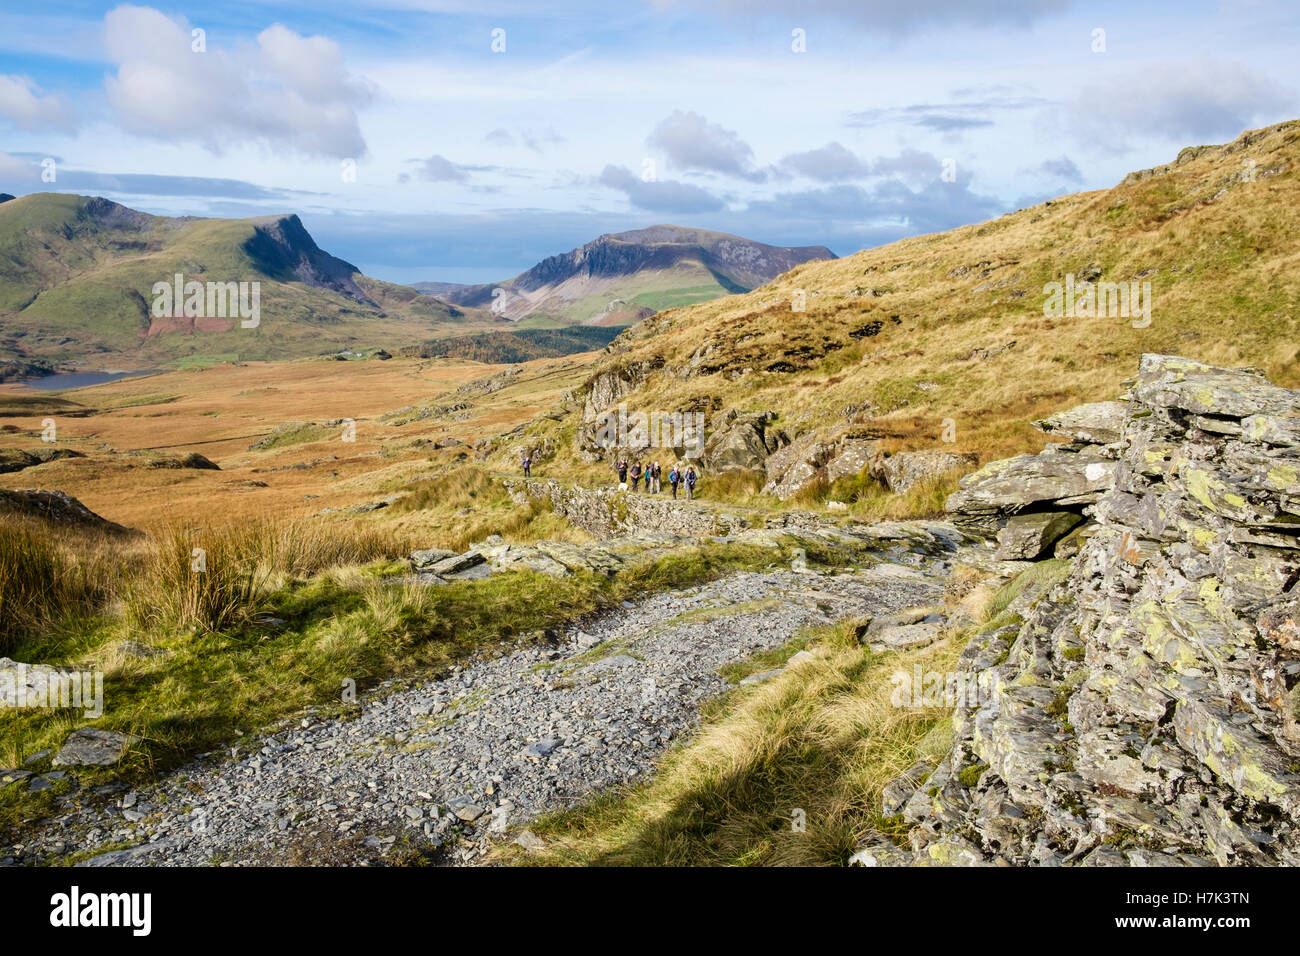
[[63, 277], [1221, 255]]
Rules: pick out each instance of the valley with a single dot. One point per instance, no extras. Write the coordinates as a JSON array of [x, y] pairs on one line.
[[338, 626]]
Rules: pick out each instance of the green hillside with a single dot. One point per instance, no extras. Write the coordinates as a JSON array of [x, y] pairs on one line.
[[77, 273]]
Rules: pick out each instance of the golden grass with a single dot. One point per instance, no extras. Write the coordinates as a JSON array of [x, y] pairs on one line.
[[211, 578]]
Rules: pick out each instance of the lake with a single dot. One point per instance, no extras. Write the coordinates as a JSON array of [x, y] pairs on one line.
[[52, 383]]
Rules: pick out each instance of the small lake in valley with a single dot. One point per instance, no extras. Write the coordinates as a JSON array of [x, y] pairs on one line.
[[51, 383]]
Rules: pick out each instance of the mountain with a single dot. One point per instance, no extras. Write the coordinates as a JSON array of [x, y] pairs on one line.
[[77, 278], [442, 289], [956, 341], [620, 278]]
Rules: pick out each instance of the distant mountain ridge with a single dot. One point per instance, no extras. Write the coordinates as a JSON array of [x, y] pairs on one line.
[[77, 274], [619, 278]]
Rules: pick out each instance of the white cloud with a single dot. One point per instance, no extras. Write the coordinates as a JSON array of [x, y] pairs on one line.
[[23, 104], [830, 164], [14, 169], [667, 196], [1187, 103], [693, 143], [288, 91]]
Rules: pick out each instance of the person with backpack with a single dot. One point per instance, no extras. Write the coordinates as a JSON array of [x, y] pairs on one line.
[[527, 464], [622, 471], [636, 474], [674, 476], [691, 478], [652, 478]]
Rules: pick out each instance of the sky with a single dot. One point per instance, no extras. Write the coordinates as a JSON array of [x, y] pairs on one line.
[[459, 140]]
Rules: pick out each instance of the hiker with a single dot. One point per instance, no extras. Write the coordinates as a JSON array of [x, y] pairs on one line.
[[527, 464], [636, 474], [674, 476], [650, 478], [658, 485], [691, 478], [622, 471]]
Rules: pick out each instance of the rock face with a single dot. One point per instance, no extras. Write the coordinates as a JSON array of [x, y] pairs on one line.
[[1026, 537], [823, 454], [1056, 479], [739, 442], [903, 471], [1143, 710], [1097, 422]]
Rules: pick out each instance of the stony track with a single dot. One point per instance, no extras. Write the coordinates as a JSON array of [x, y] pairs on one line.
[[447, 766]]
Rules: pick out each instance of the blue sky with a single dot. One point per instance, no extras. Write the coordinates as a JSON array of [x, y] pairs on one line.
[[472, 163]]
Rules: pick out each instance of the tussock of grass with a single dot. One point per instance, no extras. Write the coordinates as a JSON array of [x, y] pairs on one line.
[[45, 579], [239, 561]]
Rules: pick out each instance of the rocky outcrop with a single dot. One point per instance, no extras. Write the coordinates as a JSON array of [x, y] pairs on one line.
[[192, 460], [740, 442], [1096, 423], [1068, 476], [56, 508], [822, 455], [16, 459], [904, 470], [1143, 709]]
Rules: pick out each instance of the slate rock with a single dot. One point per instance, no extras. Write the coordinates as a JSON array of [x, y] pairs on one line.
[[91, 747]]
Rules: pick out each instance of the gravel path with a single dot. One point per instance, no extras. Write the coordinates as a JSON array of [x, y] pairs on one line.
[[460, 762]]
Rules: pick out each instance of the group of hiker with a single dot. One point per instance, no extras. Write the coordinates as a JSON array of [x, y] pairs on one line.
[[650, 473]]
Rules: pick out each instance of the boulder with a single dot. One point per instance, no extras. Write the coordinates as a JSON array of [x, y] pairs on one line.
[[739, 442], [192, 460], [1027, 537], [425, 560], [906, 629], [822, 454], [57, 508], [1098, 423], [904, 470], [456, 563], [33, 685], [986, 498], [1166, 381], [851, 458], [16, 459]]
